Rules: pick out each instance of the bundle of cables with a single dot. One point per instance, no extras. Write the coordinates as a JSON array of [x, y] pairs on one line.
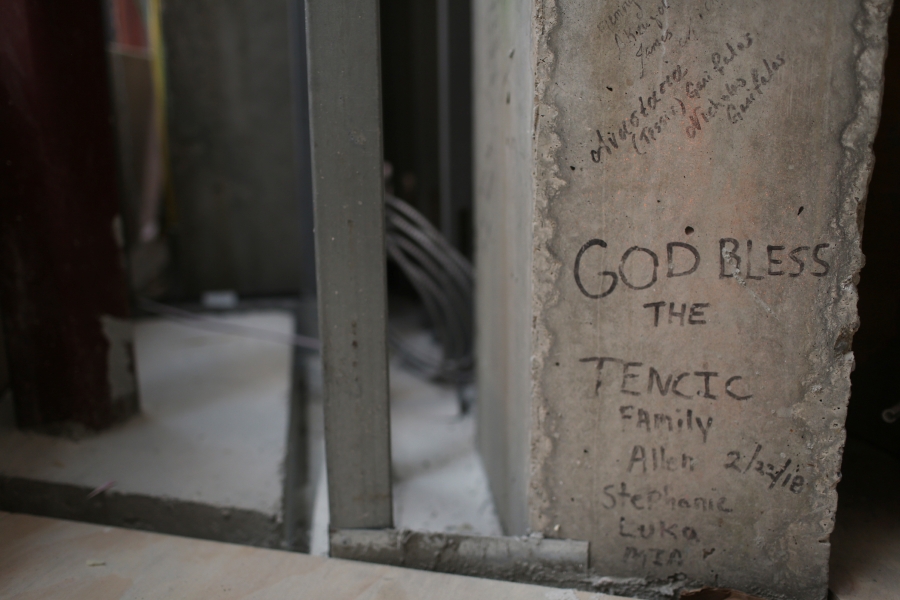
[[443, 279], [440, 275]]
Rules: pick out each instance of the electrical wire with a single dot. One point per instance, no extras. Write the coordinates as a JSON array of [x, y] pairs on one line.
[[440, 275], [444, 280]]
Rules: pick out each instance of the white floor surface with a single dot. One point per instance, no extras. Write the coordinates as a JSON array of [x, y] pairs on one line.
[[439, 482], [213, 427]]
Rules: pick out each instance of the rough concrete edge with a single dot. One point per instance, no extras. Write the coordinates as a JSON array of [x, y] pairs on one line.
[[120, 364], [831, 373], [545, 267], [855, 172], [139, 511], [528, 559]]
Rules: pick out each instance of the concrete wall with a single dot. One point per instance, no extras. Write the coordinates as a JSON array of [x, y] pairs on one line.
[[695, 179], [231, 145], [504, 100]]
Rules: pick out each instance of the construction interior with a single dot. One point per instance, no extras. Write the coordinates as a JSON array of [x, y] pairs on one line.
[[216, 384]]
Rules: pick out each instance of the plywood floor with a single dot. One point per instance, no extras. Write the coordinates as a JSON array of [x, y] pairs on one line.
[[49, 559]]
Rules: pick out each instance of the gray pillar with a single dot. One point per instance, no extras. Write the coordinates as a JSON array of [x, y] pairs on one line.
[[668, 198], [345, 117]]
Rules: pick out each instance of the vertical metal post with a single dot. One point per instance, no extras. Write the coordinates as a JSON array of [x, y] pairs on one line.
[[345, 122]]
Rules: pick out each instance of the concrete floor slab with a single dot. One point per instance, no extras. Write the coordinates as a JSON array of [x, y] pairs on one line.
[[439, 480], [205, 458], [212, 437]]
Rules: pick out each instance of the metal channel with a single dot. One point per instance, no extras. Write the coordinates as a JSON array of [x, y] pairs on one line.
[[346, 136]]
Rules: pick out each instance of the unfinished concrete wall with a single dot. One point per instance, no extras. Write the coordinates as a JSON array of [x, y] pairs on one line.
[[504, 100], [699, 172], [230, 125]]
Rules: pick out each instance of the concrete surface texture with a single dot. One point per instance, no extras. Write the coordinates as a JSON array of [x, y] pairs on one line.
[[699, 174], [205, 456]]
